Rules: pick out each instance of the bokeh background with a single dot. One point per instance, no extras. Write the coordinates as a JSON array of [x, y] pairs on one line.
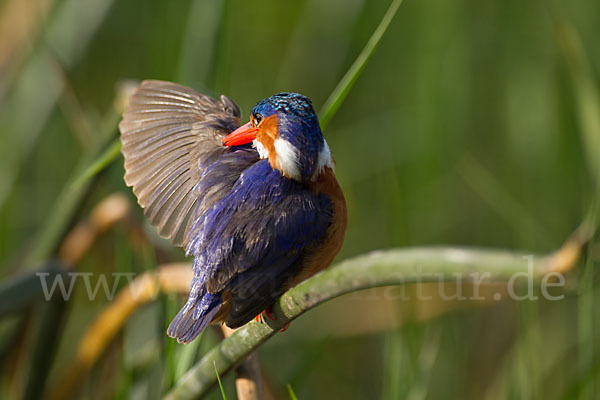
[[474, 123]]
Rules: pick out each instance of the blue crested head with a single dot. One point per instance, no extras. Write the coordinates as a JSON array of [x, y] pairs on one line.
[[295, 112], [284, 128]]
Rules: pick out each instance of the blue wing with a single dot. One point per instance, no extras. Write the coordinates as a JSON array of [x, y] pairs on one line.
[[248, 246], [171, 135]]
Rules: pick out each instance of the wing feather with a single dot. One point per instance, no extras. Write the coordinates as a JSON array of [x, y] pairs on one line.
[[161, 199], [171, 134]]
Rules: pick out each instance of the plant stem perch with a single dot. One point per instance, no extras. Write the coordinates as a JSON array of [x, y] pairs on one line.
[[380, 268]]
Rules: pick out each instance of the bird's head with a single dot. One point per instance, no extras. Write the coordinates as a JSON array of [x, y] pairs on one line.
[[285, 130]]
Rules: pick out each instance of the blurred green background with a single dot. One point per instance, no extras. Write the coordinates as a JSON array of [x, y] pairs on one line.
[[474, 123]]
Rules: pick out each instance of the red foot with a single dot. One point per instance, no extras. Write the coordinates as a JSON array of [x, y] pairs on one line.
[[268, 312]]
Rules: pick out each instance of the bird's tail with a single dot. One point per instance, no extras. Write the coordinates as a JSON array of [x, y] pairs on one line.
[[194, 317]]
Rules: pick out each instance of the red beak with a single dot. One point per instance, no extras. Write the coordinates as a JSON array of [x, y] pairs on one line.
[[242, 135]]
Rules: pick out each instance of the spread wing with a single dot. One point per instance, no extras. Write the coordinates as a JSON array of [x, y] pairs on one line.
[[251, 243], [170, 135]]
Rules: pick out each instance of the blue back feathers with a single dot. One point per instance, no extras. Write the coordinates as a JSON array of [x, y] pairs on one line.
[[265, 214]]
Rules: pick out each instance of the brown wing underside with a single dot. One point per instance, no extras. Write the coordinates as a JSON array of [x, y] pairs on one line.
[[167, 132]]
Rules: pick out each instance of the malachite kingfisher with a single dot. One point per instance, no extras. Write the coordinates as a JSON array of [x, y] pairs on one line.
[[258, 206]]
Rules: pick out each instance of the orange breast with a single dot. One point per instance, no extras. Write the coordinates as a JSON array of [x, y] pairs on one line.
[[323, 254]]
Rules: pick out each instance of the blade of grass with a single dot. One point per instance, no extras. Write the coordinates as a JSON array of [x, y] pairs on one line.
[[103, 161], [337, 97], [426, 361], [586, 93], [221, 72], [186, 357], [587, 97], [587, 338], [171, 307], [393, 354], [66, 205], [53, 313], [39, 84], [584, 383], [291, 392], [201, 31], [219, 380]]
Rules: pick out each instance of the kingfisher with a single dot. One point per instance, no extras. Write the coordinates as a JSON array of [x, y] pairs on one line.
[[258, 206]]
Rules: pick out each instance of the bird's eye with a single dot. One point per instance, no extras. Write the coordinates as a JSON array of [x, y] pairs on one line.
[[257, 119]]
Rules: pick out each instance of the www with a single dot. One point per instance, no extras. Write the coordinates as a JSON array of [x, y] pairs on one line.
[[58, 280]]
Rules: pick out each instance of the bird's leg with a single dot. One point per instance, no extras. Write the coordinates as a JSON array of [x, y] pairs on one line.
[[268, 312]]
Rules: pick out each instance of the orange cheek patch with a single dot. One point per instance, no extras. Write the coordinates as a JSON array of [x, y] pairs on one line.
[[268, 131], [269, 127]]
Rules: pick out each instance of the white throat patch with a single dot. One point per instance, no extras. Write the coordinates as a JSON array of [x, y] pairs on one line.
[[262, 152], [324, 160], [287, 158]]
